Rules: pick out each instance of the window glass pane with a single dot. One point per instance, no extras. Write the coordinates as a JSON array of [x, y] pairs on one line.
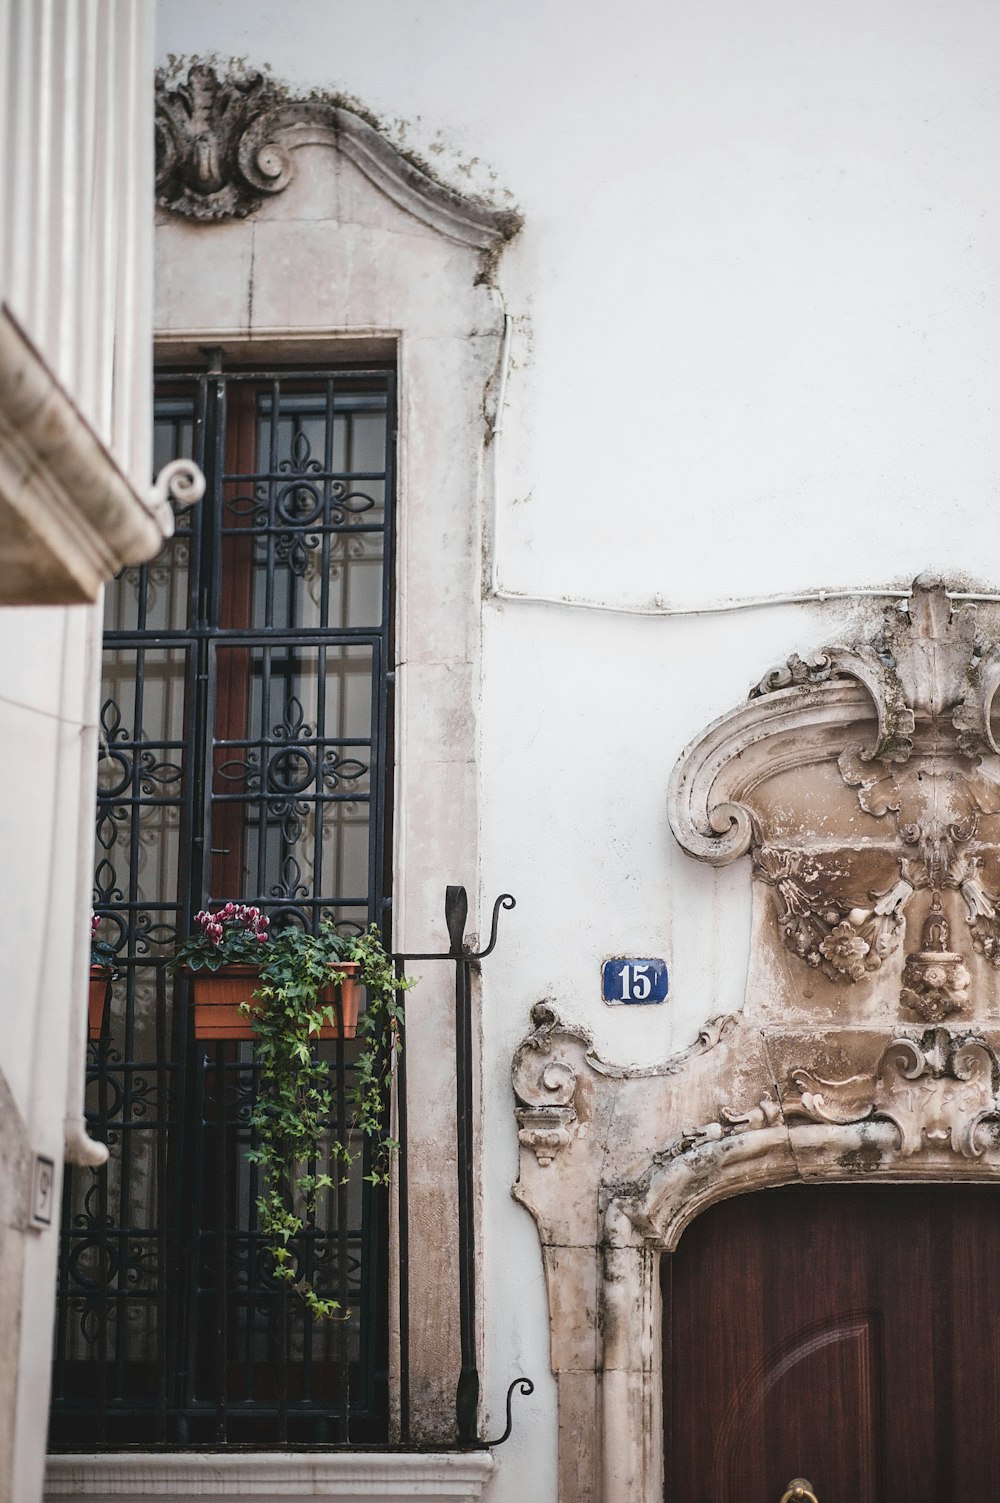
[[304, 503]]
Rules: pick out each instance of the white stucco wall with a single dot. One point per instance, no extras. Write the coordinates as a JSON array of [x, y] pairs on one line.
[[754, 350], [762, 237]]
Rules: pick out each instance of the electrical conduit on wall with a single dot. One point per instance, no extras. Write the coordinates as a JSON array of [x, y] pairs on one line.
[[657, 606]]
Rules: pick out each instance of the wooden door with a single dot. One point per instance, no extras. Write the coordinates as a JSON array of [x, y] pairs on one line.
[[849, 1336]]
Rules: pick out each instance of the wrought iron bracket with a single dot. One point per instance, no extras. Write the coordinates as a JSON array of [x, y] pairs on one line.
[[527, 1387]]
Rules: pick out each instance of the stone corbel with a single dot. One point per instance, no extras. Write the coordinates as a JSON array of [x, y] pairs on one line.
[[545, 1129]]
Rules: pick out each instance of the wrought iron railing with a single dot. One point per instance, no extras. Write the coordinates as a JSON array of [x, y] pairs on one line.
[[171, 1330]]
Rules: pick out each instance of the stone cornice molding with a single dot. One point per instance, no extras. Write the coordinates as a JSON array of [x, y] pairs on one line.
[[224, 145], [69, 517]]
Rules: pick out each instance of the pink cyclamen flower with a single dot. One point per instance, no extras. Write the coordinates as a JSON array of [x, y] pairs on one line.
[[230, 919]]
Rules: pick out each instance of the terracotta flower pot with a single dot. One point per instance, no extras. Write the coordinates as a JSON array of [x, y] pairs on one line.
[[218, 994], [100, 984]]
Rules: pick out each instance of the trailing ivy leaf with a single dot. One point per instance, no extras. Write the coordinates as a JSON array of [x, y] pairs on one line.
[[295, 1145]]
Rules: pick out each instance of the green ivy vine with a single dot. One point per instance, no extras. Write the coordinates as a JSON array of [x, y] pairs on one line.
[[295, 1142]]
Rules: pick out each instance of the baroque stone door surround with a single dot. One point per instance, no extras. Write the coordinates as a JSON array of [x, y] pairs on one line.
[[864, 785]]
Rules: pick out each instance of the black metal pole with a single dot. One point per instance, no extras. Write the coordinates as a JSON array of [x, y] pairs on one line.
[[165, 1332], [222, 1225], [343, 1290], [403, 1274], [456, 909]]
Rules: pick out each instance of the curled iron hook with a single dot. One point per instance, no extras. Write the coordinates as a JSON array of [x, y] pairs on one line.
[[525, 1384], [503, 901], [456, 913]]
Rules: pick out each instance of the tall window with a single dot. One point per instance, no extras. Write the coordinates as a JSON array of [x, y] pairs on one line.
[[245, 732]]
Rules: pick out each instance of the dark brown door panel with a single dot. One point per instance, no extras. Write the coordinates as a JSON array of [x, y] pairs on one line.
[[847, 1336]]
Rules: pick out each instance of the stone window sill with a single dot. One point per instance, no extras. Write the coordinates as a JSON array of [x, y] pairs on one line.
[[179, 1477]]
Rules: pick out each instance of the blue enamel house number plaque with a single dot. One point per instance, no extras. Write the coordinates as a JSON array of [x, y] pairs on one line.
[[632, 980]]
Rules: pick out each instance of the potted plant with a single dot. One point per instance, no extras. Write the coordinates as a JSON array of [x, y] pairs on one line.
[[299, 1154], [103, 971], [227, 958], [223, 959]]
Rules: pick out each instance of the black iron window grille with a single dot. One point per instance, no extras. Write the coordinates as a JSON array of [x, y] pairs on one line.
[[246, 722]]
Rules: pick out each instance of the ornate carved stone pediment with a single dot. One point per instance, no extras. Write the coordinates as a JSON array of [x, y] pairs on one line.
[[939, 1091], [865, 784], [224, 145]]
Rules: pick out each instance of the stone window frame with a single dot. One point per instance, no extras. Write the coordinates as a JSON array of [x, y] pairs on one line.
[[318, 242]]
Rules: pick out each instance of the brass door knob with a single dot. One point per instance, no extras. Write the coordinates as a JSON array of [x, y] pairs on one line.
[[799, 1488]]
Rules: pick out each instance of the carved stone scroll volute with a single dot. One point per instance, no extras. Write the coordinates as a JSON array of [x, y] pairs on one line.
[[939, 1092], [202, 169], [545, 1083]]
